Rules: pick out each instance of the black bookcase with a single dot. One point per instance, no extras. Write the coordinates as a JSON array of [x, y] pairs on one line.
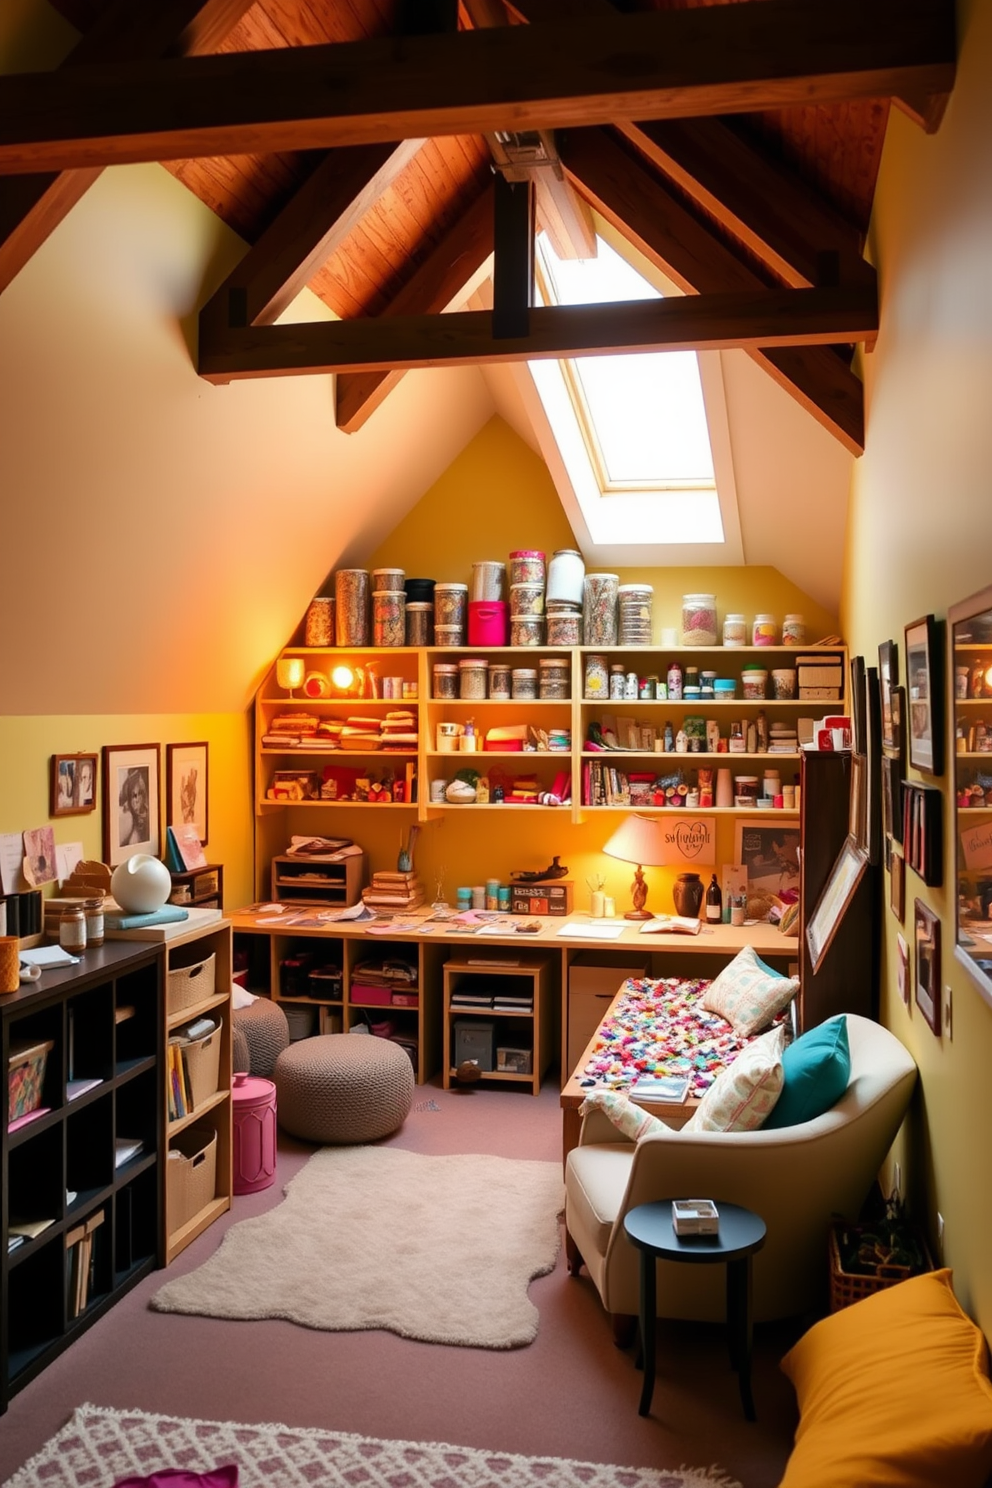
[[83, 1175]]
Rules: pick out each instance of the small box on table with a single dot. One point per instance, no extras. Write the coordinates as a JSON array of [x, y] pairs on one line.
[[695, 1217], [541, 898]]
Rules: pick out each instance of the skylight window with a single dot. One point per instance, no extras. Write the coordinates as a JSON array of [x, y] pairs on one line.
[[631, 429]]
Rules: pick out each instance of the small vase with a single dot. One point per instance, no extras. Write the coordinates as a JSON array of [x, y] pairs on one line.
[[688, 895]]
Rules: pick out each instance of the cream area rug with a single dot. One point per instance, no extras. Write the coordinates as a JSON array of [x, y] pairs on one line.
[[100, 1446], [435, 1248]]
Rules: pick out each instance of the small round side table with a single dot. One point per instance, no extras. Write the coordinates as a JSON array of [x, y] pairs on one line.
[[649, 1227]]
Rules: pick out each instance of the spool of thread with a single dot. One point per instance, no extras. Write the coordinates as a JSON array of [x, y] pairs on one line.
[[10, 977]]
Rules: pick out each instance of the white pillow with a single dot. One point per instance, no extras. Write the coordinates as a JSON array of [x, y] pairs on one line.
[[743, 1095], [241, 998], [627, 1116], [748, 993]]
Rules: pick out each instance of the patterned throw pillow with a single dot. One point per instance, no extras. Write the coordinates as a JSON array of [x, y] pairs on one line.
[[627, 1116], [748, 993], [743, 1094]]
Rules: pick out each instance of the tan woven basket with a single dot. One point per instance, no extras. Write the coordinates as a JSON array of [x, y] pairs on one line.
[[191, 1176], [848, 1286], [188, 985], [203, 1067]]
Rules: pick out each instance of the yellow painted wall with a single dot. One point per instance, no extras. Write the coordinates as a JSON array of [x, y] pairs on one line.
[[27, 744], [919, 541], [496, 496]]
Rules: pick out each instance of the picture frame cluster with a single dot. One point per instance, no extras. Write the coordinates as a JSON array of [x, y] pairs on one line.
[[129, 781]]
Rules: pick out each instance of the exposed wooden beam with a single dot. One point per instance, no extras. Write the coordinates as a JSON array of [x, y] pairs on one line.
[[689, 251], [565, 217], [513, 265], [772, 317], [783, 221], [309, 229], [437, 283], [711, 60], [925, 109], [32, 206]]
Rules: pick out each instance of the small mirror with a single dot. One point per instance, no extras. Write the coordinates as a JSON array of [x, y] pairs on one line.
[[971, 690]]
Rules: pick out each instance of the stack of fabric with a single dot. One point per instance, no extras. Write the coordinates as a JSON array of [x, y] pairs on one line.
[[399, 730], [289, 729], [360, 734]]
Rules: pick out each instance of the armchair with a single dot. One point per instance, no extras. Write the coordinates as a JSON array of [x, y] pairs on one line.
[[795, 1177]]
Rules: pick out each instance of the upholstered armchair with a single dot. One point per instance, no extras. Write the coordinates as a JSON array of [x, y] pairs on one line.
[[795, 1177]]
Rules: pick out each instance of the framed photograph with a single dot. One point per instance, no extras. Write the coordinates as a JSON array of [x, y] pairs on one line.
[[897, 886], [186, 787], [888, 678], [903, 976], [131, 813], [838, 891], [925, 695], [927, 930], [768, 853], [859, 724], [892, 798], [857, 810], [72, 784]]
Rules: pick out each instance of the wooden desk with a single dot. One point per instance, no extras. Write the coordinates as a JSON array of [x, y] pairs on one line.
[[431, 945]]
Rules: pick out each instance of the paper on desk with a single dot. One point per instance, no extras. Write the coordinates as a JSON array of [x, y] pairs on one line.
[[67, 855], [359, 911], [11, 863], [44, 956], [593, 929]]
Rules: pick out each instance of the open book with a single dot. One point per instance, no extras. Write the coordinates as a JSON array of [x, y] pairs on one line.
[[670, 925]]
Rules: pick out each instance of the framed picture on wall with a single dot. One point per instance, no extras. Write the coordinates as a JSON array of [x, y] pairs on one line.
[[892, 798], [130, 801], [903, 975], [186, 787], [926, 926], [888, 678], [925, 694], [897, 886], [845, 875], [859, 722], [72, 784]]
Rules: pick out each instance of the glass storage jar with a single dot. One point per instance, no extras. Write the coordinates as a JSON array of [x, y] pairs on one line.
[[596, 678], [72, 928], [527, 567], [554, 678], [699, 619], [500, 680], [389, 617], [451, 604], [351, 606], [472, 676], [764, 631], [526, 630], [319, 625], [793, 631], [734, 630], [419, 622], [445, 679], [599, 608], [564, 627], [93, 909], [523, 683], [565, 574]]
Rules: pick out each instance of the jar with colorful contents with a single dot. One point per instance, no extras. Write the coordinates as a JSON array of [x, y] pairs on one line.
[[488, 580], [445, 679], [793, 631], [634, 609], [554, 678], [319, 625], [527, 567], [526, 630], [734, 630], [526, 599], [472, 676], [419, 623], [618, 681], [451, 604], [784, 683], [388, 578], [699, 619], [754, 681], [599, 608], [564, 627], [389, 617], [351, 606], [596, 678], [724, 689], [523, 683], [764, 631], [499, 680]]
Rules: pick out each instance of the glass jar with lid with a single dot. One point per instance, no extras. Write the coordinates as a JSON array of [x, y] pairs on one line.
[[523, 683], [596, 678], [734, 630], [473, 673], [699, 619], [764, 631], [93, 909], [72, 927], [554, 677], [793, 631], [445, 679]]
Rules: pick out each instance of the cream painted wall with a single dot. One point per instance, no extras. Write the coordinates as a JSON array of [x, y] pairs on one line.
[[919, 541], [27, 744]]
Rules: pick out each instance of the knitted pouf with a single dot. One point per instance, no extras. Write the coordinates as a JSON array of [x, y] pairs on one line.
[[341, 1087], [261, 1032]]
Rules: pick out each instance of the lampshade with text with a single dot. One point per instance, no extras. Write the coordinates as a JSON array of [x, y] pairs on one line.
[[637, 840]]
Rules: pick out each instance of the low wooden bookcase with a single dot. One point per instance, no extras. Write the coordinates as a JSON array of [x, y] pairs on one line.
[[516, 1032]]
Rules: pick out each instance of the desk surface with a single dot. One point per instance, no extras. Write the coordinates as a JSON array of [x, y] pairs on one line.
[[721, 940]]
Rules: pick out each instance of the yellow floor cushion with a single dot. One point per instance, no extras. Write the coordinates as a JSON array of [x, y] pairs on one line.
[[893, 1391]]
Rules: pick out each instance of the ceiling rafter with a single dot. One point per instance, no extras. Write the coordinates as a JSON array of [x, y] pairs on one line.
[[767, 317], [32, 206], [309, 229], [688, 249], [717, 59]]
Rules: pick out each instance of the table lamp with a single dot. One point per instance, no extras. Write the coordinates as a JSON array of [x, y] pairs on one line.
[[638, 840], [289, 672]]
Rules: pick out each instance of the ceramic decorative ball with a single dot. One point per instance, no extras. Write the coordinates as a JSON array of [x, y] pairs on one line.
[[141, 884]]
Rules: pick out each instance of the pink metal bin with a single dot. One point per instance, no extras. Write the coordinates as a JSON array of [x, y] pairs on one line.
[[254, 1134]]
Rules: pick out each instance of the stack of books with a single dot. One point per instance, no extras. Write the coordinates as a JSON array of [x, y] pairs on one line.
[[399, 730], [360, 734], [513, 1002], [394, 891], [290, 729], [472, 1000], [80, 1262]]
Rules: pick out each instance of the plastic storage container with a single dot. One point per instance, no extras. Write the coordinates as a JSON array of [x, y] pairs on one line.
[[451, 604], [419, 622], [472, 676], [318, 628], [554, 678], [754, 681], [793, 631], [254, 1133], [526, 599], [527, 567], [734, 630], [388, 617], [523, 684], [388, 578], [699, 619], [488, 622], [599, 608], [445, 679], [488, 580], [526, 630], [564, 627], [351, 606], [635, 603], [500, 680], [565, 575], [764, 631]]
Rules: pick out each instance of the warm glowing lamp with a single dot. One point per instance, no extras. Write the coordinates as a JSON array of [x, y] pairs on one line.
[[289, 672], [638, 840], [343, 679]]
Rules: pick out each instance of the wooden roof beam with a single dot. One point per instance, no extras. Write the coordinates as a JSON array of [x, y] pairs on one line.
[[657, 64], [438, 282], [309, 229], [768, 317], [32, 206], [689, 250]]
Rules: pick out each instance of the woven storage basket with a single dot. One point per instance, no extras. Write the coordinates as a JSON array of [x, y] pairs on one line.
[[203, 1067], [188, 985], [849, 1286], [191, 1178]]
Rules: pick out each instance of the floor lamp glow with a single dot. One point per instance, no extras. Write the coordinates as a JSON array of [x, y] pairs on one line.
[[638, 840]]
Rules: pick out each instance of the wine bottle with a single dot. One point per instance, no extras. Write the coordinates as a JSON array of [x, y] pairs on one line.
[[714, 902]]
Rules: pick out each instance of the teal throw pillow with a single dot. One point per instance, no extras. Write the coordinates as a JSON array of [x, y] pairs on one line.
[[817, 1067]]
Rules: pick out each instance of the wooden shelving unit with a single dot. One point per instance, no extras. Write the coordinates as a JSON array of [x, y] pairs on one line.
[[526, 975], [103, 1021]]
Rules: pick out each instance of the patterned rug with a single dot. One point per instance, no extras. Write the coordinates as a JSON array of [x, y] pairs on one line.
[[100, 1446], [441, 1249]]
